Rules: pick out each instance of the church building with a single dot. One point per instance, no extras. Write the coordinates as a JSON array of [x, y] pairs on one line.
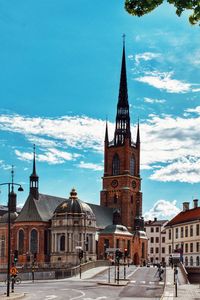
[[50, 230]]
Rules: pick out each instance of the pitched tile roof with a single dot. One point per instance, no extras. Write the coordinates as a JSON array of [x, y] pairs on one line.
[[186, 216], [42, 209], [155, 222], [39, 210]]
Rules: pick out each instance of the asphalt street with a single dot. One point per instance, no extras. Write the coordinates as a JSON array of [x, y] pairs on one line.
[[144, 284]]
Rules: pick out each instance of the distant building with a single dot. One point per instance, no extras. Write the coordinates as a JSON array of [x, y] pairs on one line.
[[183, 235], [156, 235]]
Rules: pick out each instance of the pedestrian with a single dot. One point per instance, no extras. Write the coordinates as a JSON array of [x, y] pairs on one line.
[[160, 272]]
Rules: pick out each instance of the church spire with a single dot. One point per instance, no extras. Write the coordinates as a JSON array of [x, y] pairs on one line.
[[106, 134], [138, 134], [34, 179], [12, 195], [122, 129]]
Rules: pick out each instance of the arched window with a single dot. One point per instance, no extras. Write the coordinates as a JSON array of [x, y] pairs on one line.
[[186, 261], [132, 166], [197, 261], [34, 241], [116, 165], [191, 261], [21, 241], [62, 243]]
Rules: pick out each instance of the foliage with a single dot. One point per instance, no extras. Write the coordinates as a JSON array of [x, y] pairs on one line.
[[141, 7]]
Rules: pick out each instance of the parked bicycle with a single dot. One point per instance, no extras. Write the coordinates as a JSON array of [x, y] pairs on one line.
[[17, 280]]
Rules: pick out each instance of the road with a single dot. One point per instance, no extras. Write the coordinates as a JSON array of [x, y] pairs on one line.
[[143, 285]]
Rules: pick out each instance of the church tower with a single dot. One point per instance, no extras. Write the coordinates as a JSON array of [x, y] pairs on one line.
[[34, 179], [121, 179]]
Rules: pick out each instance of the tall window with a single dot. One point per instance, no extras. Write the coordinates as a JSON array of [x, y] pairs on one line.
[[186, 231], [191, 261], [191, 247], [197, 229], [186, 248], [186, 261], [2, 246], [34, 241], [197, 247], [132, 166], [62, 243], [176, 233], [191, 230], [170, 234], [197, 261], [116, 165], [181, 232], [21, 241]]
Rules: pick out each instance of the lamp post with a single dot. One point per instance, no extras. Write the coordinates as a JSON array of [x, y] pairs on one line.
[[20, 189]]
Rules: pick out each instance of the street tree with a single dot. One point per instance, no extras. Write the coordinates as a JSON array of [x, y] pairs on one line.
[[141, 7]]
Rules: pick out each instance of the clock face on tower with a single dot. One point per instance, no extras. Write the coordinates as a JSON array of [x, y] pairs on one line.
[[114, 183], [134, 184]]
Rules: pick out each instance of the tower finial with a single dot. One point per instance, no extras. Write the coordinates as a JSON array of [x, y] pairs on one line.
[[124, 38], [138, 132]]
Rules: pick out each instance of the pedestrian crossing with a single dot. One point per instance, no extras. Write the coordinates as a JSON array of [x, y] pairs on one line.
[[147, 282]]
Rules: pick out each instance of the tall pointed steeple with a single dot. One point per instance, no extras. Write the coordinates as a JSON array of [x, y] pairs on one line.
[[34, 179], [122, 129], [106, 134], [138, 134]]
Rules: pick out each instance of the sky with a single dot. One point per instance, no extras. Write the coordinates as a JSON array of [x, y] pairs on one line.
[[59, 80]]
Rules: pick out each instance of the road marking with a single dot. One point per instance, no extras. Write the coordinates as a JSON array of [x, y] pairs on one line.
[[82, 294], [99, 298], [151, 282], [143, 282], [49, 297], [133, 281], [161, 283], [132, 272]]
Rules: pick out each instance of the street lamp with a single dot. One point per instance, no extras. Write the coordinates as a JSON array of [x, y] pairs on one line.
[[10, 188]]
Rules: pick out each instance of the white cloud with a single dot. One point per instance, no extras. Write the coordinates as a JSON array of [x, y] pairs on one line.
[[183, 170], [193, 110], [150, 100], [79, 132], [162, 209], [52, 156], [146, 56], [168, 144], [91, 166], [164, 81], [4, 166]]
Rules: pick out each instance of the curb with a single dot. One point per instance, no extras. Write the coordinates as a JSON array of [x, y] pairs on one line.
[[113, 284], [13, 296]]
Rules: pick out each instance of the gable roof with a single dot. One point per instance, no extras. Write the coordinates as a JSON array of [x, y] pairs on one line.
[[104, 215], [185, 216], [39, 210]]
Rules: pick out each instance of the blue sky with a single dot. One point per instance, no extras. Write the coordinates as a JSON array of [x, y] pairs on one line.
[[59, 75]]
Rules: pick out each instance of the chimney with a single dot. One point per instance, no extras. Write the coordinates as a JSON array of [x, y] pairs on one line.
[[195, 201], [155, 219], [186, 206]]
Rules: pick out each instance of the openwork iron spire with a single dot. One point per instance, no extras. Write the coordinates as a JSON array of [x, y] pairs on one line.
[[122, 129], [34, 179]]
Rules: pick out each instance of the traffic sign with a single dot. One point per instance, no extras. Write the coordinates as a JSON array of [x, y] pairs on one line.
[[176, 255], [112, 249], [78, 247]]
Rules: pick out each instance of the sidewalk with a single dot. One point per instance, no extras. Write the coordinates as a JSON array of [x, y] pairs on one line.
[[12, 296], [184, 291]]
